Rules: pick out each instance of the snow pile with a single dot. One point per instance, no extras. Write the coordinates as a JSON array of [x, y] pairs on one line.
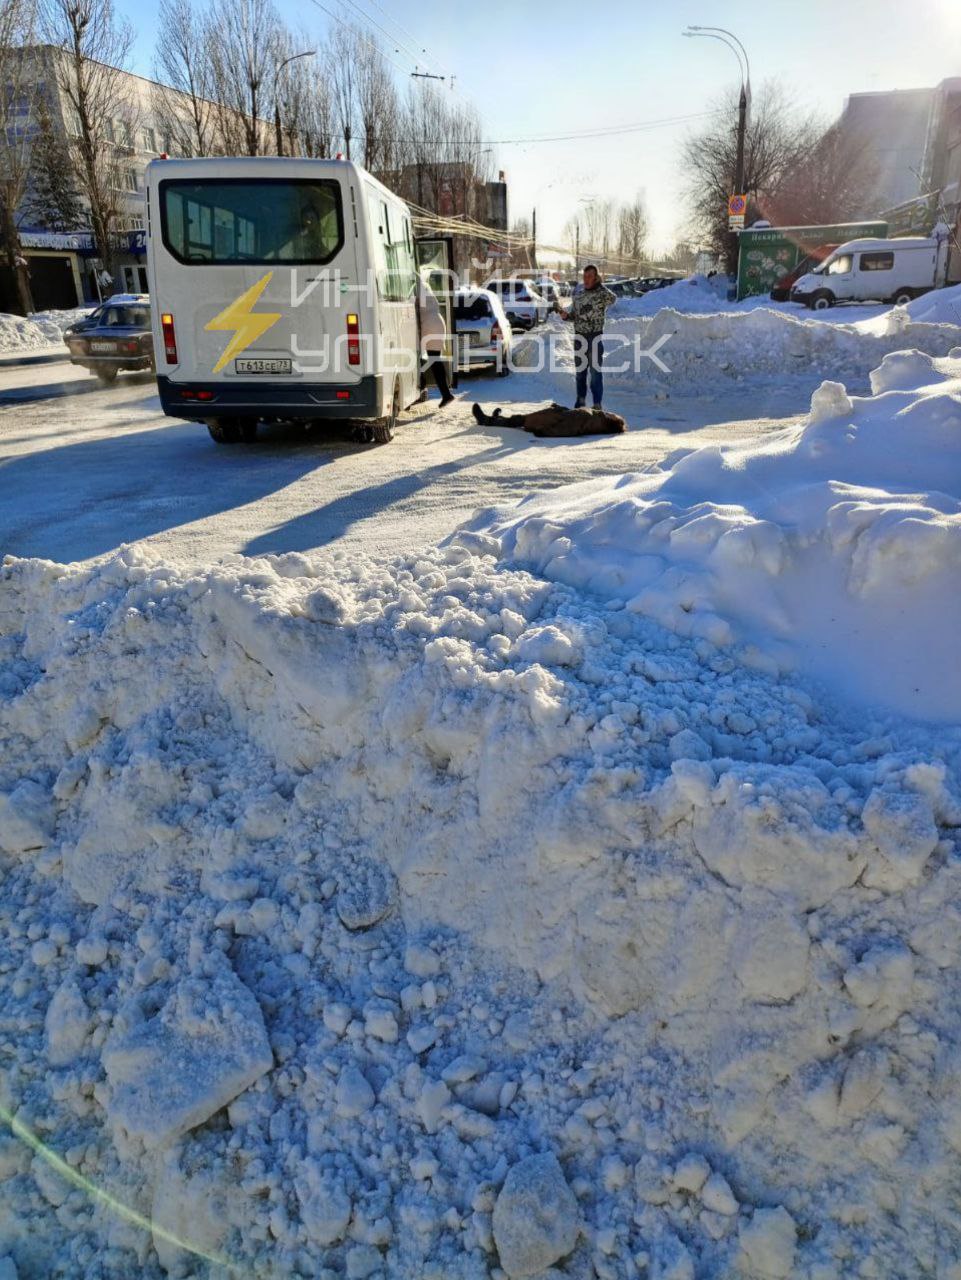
[[832, 547], [694, 295], [41, 329], [432, 920], [53, 323], [20, 334], [761, 349], [940, 306]]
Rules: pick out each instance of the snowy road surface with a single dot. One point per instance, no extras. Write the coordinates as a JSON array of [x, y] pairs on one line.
[[83, 474]]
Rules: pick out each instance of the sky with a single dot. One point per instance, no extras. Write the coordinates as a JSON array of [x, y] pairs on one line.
[[534, 68]]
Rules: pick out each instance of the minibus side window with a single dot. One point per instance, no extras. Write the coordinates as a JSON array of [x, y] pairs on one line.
[[393, 260], [876, 262]]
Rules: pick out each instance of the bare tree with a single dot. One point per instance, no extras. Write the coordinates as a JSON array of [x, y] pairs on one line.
[[598, 225], [245, 42], [312, 108], [631, 233], [182, 102], [681, 257], [92, 48], [834, 182], [376, 105], [777, 140], [571, 235], [20, 100], [341, 69]]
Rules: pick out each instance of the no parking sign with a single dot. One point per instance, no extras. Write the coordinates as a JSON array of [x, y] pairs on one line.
[[736, 209]]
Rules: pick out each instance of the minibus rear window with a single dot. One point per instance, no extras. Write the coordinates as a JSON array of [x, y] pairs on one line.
[[250, 220], [471, 308]]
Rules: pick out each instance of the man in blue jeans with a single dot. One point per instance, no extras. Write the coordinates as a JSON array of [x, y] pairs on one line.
[[588, 310]]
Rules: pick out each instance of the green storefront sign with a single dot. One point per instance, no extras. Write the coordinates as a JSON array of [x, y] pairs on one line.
[[768, 253]]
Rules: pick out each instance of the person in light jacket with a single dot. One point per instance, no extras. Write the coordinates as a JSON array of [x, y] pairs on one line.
[[588, 312], [433, 333]]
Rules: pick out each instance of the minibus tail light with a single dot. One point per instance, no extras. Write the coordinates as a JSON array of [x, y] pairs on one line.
[[170, 338], [353, 339]]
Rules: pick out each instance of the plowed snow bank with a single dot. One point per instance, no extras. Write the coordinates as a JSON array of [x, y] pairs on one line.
[[350, 910], [833, 547]]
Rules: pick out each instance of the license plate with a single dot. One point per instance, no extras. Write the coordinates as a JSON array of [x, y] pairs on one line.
[[103, 346], [252, 365]]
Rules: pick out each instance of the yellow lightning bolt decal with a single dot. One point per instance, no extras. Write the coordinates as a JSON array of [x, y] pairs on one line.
[[245, 324]]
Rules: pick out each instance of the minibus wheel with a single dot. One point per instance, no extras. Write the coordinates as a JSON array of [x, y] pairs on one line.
[[902, 297], [231, 430], [384, 427], [822, 300]]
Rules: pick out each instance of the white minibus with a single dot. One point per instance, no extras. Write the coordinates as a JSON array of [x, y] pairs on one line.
[[875, 270], [284, 290]]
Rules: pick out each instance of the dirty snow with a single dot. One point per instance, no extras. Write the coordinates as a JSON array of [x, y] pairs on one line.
[[352, 906], [550, 902]]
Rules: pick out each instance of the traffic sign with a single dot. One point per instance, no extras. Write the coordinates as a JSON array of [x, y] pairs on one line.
[[736, 209]]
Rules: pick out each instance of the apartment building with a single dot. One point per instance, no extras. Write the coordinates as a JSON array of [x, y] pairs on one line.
[[64, 268]]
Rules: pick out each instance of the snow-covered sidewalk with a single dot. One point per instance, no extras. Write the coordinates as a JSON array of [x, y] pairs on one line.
[[537, 900]]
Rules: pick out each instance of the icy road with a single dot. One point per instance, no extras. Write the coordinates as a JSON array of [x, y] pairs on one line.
[[82, 474]]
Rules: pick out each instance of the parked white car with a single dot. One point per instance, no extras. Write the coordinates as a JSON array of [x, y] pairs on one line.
[[874, 270], [523, 304], [547, 288], [482, 329]]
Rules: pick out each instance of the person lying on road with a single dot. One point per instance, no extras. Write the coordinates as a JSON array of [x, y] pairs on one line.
[[556, 420]]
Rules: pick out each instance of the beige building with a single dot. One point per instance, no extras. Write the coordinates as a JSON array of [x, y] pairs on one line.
[[63, 267]]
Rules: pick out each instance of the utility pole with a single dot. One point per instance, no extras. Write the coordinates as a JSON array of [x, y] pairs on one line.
[[534, 238], [733, 247], [423, 75]]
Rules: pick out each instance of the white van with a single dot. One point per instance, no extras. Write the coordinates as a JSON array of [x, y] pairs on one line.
[[283, 289], [874, 270]]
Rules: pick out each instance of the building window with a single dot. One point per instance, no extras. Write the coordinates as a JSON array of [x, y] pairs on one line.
[[109, 131], [131, 180], [126, 134], [149, 140]]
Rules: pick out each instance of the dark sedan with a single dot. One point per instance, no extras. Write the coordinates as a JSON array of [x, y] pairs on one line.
[[118, 338]]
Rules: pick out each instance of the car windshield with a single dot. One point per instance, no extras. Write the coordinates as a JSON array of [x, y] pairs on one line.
[[836, 266], [125, 317]]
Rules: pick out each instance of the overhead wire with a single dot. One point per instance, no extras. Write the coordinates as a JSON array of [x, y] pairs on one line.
[[427, 221]]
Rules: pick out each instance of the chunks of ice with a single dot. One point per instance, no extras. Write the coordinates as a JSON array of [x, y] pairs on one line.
[[536, 1217], [171, 1072]]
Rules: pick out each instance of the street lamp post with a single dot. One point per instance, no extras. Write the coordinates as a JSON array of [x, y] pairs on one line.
[[744, 67], [307, 53]]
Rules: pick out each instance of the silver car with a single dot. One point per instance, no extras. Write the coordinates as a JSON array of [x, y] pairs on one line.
[[482, 330]]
